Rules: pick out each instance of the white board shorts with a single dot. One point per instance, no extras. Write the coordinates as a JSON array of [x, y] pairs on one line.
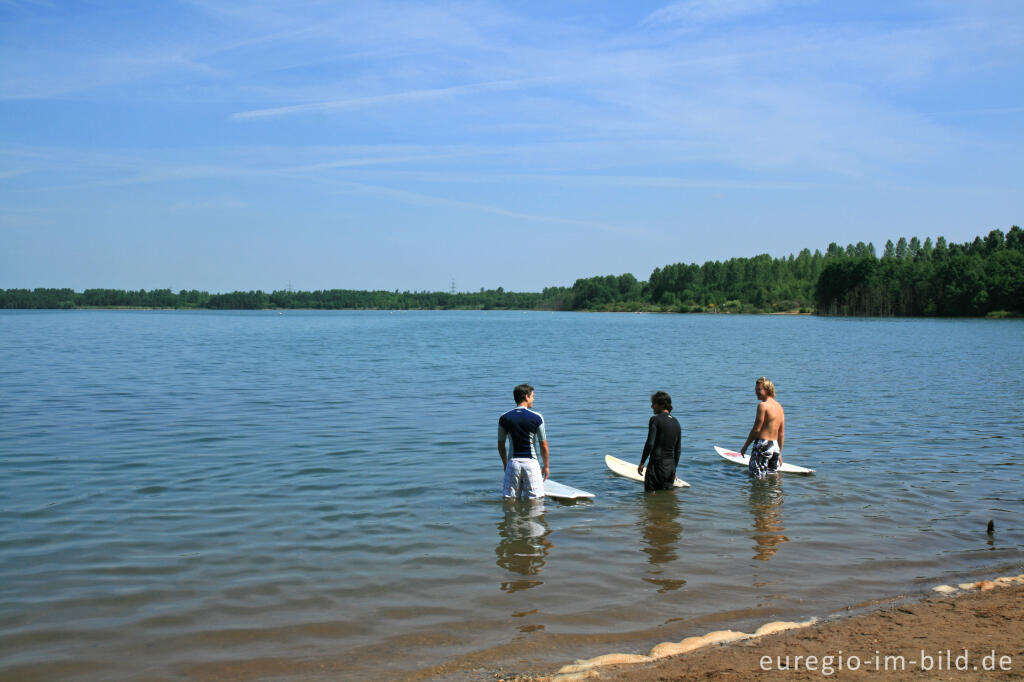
[[523, 478]]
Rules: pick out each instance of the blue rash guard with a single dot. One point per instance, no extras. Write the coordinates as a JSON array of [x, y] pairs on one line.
[[525, 428]]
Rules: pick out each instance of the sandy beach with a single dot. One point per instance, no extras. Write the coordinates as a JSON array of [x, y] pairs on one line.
[[957, 634]]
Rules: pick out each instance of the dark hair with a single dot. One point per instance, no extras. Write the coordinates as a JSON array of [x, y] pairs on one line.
[[662, 401], [521, 391]]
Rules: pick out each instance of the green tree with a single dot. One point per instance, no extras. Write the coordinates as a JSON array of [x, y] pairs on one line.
[[901, 248], [914, 248]]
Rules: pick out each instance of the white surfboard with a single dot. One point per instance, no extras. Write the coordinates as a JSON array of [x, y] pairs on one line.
[[560, 491], [628, 470], [744, 460]]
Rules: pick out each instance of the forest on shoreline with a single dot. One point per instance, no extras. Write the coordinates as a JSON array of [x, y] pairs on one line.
[[984, 277]]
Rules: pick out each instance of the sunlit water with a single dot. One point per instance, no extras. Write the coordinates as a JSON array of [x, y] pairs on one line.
[[316, 494]]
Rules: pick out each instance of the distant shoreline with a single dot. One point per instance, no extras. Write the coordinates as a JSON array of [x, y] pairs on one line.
[[403, 310], [980, 278], [996, 315]]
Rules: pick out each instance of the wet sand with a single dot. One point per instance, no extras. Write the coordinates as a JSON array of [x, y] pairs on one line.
[[963, 634], [970, 631]]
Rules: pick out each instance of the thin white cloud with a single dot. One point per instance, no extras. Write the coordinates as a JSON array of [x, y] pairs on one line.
[[42, 74], [209, 205], [995, 111], [135, 170], [832, 101], [407, 196], [706, 11], [364, 162], [23, 221], [398, 97], [603, 180]]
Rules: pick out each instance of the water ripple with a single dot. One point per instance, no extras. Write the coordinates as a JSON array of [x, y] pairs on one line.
[[188, 489]]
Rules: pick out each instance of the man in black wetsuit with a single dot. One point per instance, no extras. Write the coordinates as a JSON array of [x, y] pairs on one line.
[[664, 439]]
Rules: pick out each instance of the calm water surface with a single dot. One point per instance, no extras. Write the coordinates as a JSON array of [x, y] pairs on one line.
[[199, 495]]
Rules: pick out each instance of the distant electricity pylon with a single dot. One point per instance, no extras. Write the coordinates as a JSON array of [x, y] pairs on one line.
[[453, 285]]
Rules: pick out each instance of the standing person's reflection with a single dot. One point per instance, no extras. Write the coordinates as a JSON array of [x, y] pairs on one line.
[[523, 545], [661, 533], [766, 504]]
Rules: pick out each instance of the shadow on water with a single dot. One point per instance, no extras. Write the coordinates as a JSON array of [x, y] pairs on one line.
[[523, 543], [662, 531], [766, 499]]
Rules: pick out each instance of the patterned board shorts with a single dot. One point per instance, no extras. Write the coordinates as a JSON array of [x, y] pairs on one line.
[[523, 478], [764, 458]]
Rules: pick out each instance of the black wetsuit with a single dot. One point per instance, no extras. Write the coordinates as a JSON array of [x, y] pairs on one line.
[[664, 438]]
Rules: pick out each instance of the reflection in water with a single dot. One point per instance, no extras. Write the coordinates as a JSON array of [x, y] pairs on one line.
[[661, 532], [766, 504], [523, 545]]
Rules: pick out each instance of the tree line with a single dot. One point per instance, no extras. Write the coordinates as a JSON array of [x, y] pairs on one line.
[[976, 278], [910, 278], [329, 299]]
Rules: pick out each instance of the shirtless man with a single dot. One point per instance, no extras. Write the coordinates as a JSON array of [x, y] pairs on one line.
[[768, 432]]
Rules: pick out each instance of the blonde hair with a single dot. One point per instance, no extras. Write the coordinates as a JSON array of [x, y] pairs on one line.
[[769, 386]]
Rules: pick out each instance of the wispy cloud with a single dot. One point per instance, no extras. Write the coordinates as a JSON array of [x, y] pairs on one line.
[[995, 111], [602, 180], [706, 11], [24, 221], [138, 170], [209, 205], [407, 196], [540, 114], [399, 97]]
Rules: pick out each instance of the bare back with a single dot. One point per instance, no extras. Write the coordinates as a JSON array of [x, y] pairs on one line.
[[770, 421]]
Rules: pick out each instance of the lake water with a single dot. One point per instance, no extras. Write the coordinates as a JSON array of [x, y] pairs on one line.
[[316, 495]]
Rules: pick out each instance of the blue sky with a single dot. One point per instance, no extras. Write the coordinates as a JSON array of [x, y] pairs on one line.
[[227, 144]]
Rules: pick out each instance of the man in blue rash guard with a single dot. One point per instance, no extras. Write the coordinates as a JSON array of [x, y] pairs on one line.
[[524, 429]]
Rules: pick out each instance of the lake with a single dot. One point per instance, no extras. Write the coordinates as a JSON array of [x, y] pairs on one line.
[[316, 495]]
